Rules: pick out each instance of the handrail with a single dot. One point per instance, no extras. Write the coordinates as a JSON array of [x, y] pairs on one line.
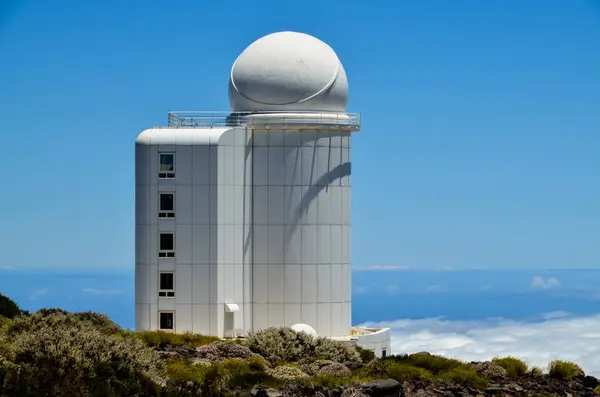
[[265, 119]]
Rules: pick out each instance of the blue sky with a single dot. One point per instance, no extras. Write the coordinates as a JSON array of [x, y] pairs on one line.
[[479, 145]]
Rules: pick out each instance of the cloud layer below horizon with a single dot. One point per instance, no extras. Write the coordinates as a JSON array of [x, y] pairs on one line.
[[556, 335]]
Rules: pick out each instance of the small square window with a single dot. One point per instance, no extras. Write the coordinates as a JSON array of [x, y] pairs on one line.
[[166, 205], [167, 162], [166, 245], [167, 166], [166, 320], [166, 281]]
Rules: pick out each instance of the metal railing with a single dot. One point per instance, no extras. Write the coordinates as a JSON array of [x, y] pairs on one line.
[[265, 119]]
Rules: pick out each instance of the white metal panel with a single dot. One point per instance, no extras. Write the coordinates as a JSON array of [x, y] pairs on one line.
[[276, 244], [324, 319], [260, 273], [293, 249], [293, 314], [276, 166], [201, 205], [309, 283], [201, 165], [323, 283], [183, 165], [183, 318], [276, 315], [183, 205], [183, 284], [276, 212], [276, 283], [201, 319], [309, 244], [293, 284], [183, 244], [201, 284], [324, 243]]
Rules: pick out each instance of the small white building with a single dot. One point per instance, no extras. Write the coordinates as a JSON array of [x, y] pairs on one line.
[[243, 217]]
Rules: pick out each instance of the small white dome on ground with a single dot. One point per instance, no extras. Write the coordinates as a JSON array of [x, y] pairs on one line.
[[307, 329], [288, 71]]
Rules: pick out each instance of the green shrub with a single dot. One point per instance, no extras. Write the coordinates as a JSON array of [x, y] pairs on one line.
[[404, 371], [366, 355], [77, 360], [8, 308], [4, 321], [564, 370], [218, 351], [162, 339], [432, 363], [287, 373], [536, 372], [58, 317], [335, 369], [597, 390], [513, 366], [465, 376], [286, 345]]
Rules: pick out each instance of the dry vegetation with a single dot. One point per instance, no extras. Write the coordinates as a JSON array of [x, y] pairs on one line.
[[52, 352]]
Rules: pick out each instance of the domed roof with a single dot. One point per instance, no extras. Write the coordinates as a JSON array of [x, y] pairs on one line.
[[307, 329], [288, 71]]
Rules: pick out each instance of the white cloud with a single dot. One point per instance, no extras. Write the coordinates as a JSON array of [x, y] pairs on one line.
[[540, 283], [102, 291], [556, 335], [38, 293], [434, 288]]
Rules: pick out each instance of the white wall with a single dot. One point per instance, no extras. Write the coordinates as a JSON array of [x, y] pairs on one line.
[[377, 341], [262, 220], [301, 229], [205, 234]]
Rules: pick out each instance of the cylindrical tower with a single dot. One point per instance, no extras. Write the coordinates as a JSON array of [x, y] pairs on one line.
[[296, 89]]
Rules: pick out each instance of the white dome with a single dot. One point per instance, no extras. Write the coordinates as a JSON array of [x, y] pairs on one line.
[[288, 71], [307, 329]]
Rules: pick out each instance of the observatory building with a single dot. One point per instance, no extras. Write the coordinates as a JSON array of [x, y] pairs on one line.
[[243, 217]]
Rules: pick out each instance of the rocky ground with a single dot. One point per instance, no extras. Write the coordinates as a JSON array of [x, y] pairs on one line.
[[538, 385]]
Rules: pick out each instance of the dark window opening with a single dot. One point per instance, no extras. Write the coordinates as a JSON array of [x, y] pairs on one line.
[[167, 202], [166, 321], [167, 242], [166, 281], [383, 353]]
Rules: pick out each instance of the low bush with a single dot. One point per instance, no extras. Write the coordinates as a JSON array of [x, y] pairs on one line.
[[335, 369], [286, 345], [513, 366], [564, 370], [402, 372], [432, 363], [597, 390], [366, 355], [287, 373], [536, 372], [218, 351], [465, 376], [57, 317], [8, 308], [77, 360], [162, 339]]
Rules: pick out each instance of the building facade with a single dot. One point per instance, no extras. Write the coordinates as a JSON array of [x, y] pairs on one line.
[[243, 218]]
